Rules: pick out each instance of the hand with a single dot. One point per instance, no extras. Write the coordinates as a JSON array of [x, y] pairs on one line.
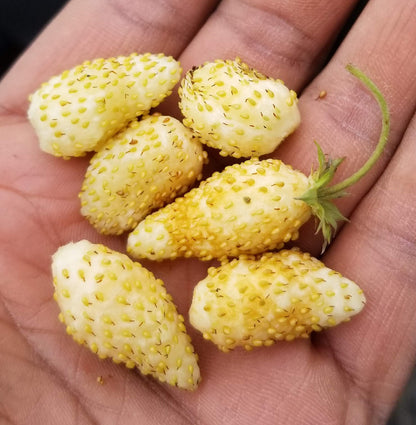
[[352, 374]]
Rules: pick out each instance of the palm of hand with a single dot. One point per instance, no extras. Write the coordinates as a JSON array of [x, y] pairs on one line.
[[351, 374]]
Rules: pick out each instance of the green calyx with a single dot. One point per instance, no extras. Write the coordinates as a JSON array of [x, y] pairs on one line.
[[320, 194]]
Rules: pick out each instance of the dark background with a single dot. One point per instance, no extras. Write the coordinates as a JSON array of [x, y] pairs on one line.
[[22, 20]]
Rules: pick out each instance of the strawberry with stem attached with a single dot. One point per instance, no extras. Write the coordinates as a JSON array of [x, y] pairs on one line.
[[254, 302], [120, 310], [252, 207]]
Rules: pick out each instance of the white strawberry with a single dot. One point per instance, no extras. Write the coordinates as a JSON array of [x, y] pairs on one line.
[[74, 112], [120, 310], [253, 302], [236, 109], [251, 207], [138, 170]]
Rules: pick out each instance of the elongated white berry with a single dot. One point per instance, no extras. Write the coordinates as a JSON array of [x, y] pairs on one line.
[[236, 109], [74, 112], [138, 170], [253, 302], [120, 310], [247, 208]]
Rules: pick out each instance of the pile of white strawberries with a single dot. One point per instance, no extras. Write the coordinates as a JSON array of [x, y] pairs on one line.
[[143, 178]]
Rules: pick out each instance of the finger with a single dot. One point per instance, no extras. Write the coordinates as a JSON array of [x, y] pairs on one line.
[[87, 29], [347, 121], [377, 250], [288, 40]]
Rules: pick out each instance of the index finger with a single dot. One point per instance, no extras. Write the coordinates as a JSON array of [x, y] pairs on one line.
[[87, 29]]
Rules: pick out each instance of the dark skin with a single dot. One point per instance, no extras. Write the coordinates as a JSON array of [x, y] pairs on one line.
[[352, 374]]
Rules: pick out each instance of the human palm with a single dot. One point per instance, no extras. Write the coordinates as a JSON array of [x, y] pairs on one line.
[[351, 374]]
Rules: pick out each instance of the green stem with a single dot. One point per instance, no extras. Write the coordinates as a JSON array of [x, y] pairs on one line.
[[320, 194], [340, 187]]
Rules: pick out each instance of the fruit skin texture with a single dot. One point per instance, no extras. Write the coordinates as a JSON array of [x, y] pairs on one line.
[[138, 170], [247, 208], [237, 109], [74, 112], [120, 310], [253, 302]]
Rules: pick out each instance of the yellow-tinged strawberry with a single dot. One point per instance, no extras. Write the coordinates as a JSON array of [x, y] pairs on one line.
[[236, 109], [253, 302], [138, 170], [120, 310], [76, 111], [251, 207]]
